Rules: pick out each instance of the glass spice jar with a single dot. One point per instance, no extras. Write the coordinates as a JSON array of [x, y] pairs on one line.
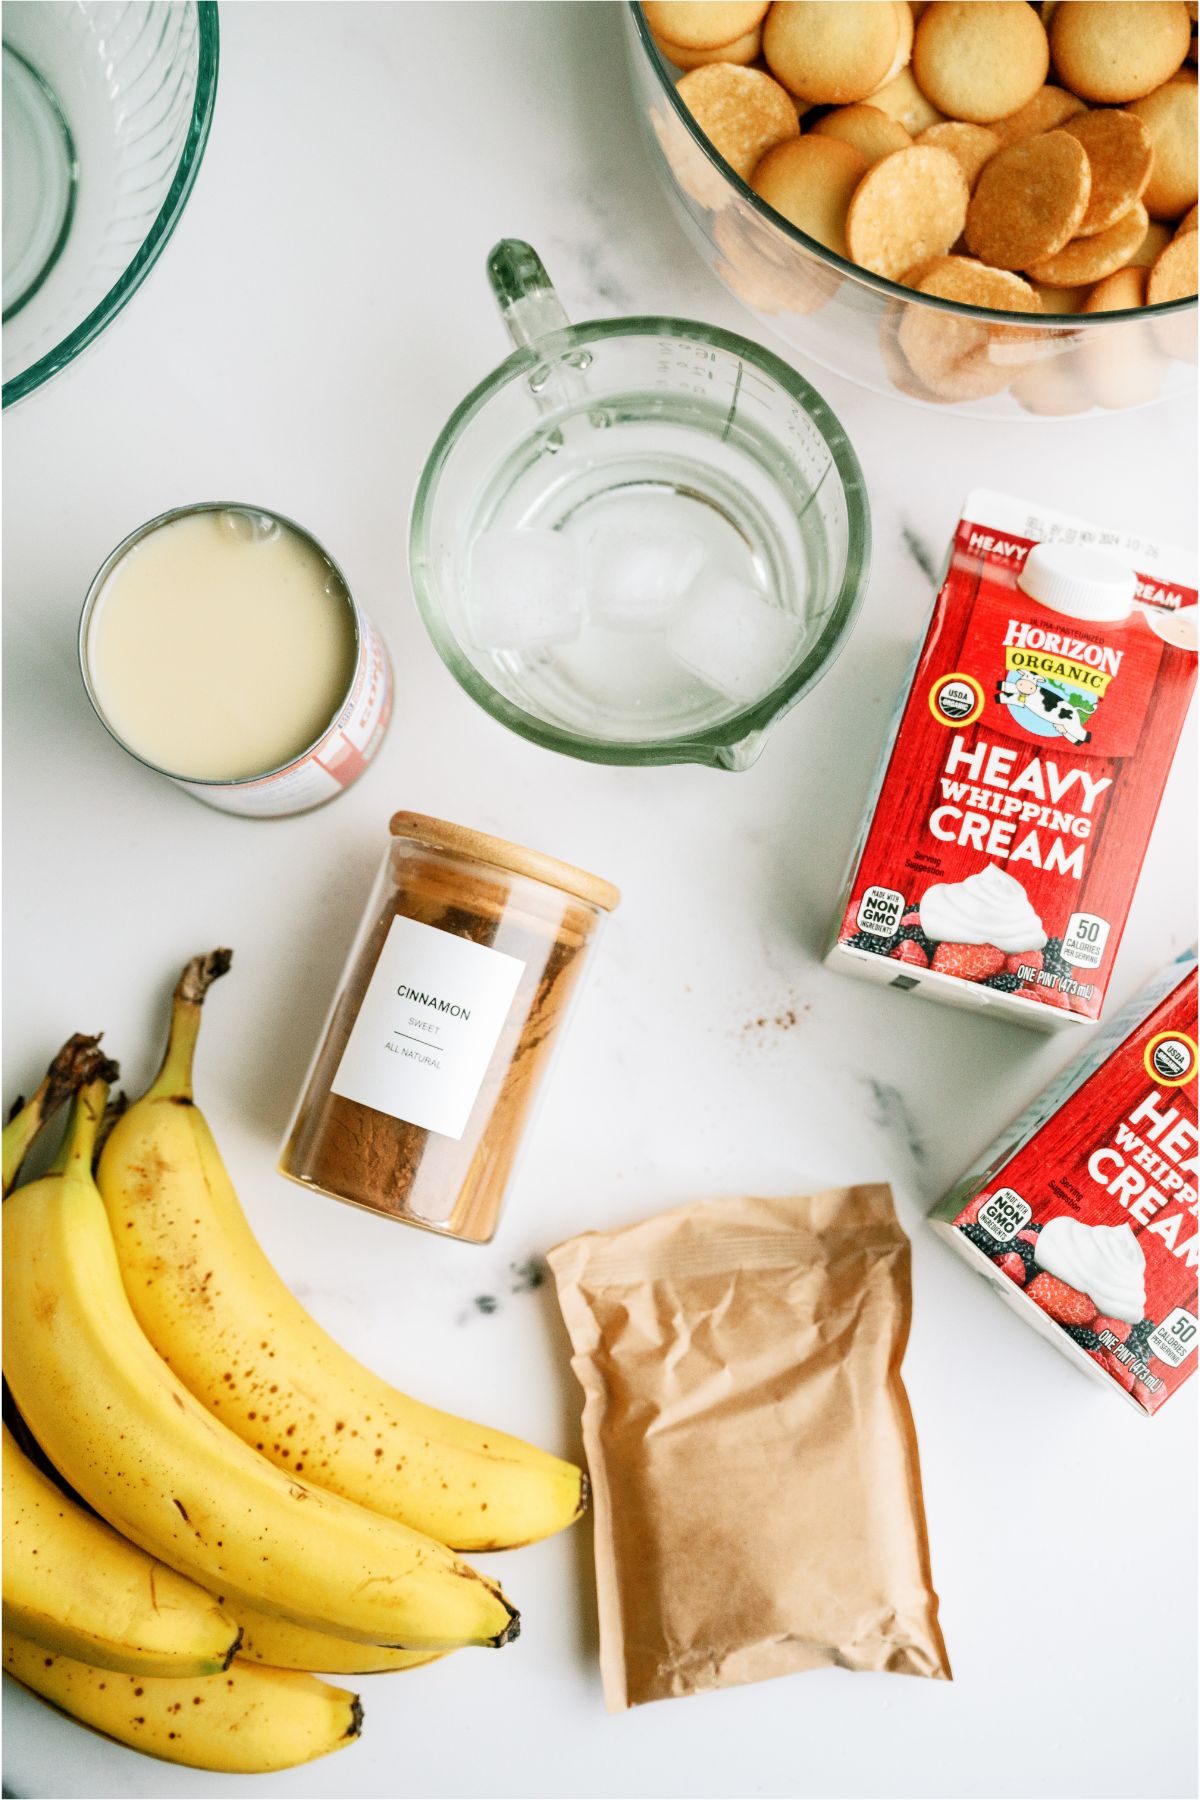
[[443, 1027]]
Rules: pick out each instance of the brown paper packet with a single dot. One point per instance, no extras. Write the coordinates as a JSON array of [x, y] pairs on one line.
[[757, 1496]]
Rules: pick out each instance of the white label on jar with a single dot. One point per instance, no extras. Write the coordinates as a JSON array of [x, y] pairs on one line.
[[427, 1027]]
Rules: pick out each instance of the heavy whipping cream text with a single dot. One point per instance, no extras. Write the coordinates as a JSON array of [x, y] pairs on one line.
[[1013, 808], [1026, 814], [1150, 1167], [1084, 1213]]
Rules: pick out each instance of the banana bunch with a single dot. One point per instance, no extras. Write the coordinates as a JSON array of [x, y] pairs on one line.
[[234, 1500], [209, 1301]]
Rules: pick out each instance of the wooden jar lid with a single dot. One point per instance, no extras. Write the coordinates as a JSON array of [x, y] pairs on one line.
[[460, 840]]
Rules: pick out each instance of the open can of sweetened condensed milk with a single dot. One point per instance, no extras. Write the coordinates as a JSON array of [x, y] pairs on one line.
[[220, 645]]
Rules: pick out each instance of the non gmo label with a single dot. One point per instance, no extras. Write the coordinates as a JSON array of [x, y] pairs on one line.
[[427, 1027], [1005, 1214], [880, 911]]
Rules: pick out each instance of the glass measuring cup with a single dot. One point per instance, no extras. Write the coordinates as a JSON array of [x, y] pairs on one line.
[[636, 426]]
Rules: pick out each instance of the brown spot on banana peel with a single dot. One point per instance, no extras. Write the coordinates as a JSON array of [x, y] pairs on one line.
[[45, 1304]]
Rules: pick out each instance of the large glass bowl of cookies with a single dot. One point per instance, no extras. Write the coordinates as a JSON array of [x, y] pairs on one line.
[[986, 206]]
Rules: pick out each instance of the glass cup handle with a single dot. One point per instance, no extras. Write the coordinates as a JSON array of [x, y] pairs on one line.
[[524, 293], [532, 312]]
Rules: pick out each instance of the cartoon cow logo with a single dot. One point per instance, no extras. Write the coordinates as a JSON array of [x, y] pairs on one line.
[[1049, 709]]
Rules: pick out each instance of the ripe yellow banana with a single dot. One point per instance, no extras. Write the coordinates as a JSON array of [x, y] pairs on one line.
[[245, 1722], [72, 1584], [215, 1309], [287, 1646], [138, 1448]]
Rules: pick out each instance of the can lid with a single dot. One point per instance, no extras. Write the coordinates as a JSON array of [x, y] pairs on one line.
[[1079, 580], [461, 840]]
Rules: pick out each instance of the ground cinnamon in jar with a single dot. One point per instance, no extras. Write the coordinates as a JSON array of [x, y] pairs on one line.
[[444, 1026]]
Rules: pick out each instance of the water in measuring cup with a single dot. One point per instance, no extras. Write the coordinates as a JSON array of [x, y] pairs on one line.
[[688, 557]]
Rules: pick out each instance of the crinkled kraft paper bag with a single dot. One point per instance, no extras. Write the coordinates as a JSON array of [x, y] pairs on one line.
[[757, 1495]]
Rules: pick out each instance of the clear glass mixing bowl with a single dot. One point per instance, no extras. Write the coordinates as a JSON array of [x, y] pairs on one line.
[[833, 313], [107, 106]]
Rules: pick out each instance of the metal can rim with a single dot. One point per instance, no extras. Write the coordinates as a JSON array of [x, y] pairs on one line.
[[121, 550]]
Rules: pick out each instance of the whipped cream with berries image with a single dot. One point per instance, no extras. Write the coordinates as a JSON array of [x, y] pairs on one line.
[[989, 907], [1105, 1262]]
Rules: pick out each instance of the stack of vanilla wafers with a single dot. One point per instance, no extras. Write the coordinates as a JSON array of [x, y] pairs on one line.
[[1037, 160]]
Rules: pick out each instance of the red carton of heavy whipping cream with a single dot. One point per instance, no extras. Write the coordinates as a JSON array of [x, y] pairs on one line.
[[1013, 807], [1083, 1214]]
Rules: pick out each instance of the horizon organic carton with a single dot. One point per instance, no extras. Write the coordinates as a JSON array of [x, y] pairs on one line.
[[1082, 1215], [1011, 815]]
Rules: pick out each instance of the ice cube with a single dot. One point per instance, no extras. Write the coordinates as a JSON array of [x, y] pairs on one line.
[[637, 579], [732, 637], [525, 590]]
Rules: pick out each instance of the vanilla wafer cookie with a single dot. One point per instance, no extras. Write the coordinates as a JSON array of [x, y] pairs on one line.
[[1173, 276], [980, 59], [908, 207], [1124, 368], [962, 358], [1169, 115], [742, 112], [743, 50], [970, 145], [1114, 50], [1047, 110], [703, 24], [866, 128], [1029, 201], [831, 55], [1120, 155], [1089, 259], [902, 99], [809, 181]]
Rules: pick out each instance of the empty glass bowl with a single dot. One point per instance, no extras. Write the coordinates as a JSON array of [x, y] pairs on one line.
[[1007, 365], [107, 106]]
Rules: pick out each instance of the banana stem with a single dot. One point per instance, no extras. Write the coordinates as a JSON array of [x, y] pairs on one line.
[[79, 1145], [79, 1060], [174, 1078]]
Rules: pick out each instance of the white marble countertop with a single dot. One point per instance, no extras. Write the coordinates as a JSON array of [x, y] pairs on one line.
[[322, 308]]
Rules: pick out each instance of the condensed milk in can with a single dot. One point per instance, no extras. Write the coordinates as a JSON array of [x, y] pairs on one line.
[[221, 646]]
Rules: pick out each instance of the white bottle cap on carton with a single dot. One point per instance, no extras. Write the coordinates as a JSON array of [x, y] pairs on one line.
[[1080, 580]]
